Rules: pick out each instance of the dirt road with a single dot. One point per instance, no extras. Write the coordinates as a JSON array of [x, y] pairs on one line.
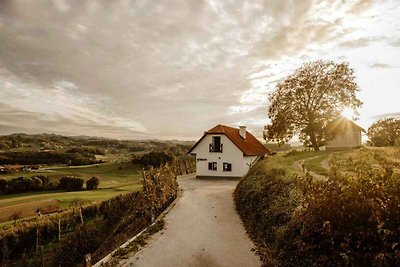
[[203, 229]]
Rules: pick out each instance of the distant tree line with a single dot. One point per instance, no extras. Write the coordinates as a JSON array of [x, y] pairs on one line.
[[46, 157], [42, 183], [385, 132], [86, 150], [152, 159]]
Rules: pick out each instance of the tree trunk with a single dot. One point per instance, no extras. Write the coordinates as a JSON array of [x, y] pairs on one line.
[[314, 142]]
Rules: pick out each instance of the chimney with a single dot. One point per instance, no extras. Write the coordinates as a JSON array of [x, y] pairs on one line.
[[242, 131]]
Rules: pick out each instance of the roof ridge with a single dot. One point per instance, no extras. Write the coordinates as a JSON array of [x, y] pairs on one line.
[[249, 146]]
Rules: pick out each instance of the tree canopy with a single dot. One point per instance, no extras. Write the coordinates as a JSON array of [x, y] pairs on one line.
[[385, 132], [308, 100]]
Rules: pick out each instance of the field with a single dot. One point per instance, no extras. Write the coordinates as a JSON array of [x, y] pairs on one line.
[[114, 168], [115, 178], [324, 208]]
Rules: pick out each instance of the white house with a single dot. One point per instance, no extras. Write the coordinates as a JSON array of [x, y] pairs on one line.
[[226, 152], [343, 134]]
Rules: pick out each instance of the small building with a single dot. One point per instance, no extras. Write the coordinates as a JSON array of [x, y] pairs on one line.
[[343, 134], [48, 210], [225, 151]]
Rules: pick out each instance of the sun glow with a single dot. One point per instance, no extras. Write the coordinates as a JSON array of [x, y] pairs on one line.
[[348, 113]]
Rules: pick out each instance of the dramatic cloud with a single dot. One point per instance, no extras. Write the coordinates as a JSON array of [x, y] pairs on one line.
[[172, 69]]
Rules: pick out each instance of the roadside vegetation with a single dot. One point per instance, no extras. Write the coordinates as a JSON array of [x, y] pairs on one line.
[[350, 218], [64, 239], [26, 188]]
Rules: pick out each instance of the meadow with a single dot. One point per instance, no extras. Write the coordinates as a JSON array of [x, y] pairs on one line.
[[115, 170], [115, 178]]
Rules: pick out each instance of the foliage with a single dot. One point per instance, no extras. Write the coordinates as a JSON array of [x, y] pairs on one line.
[[71, 183], [82, 241], [265, 202], [25, 184], [106, 225], [92, 183], [350, 219], [45, 157], [3, 186], [385, 132], [308, 100], [136, 148], [152, 159], [86, 150]]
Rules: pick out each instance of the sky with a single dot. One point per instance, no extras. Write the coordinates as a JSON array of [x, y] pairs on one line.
[[174, 69]]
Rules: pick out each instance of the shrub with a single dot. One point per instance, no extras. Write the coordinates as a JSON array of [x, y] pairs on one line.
[[351, 219], [265, 201], [3, 185], [136, 148], [71, 183], [153, 159], [82, 241], [92, 183], [347, 220]]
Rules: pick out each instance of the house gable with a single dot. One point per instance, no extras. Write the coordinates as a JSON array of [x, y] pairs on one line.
[[343, 134], [249, 146]]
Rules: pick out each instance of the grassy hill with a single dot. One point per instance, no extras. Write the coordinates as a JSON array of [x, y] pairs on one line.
[[324, 208], [116, 172]]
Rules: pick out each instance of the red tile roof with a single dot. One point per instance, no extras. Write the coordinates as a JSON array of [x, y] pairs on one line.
[[249, 146], [48, 210]]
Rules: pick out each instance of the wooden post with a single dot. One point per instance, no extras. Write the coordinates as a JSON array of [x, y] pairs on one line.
[[59, 229], [37, 239], [42, 255], [186, 167], [80, 214], [87, 260]]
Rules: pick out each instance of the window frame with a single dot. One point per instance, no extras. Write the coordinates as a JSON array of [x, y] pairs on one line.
[[214, 166], [227, 167]]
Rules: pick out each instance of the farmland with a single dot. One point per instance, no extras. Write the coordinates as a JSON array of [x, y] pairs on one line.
[[115, 179], [115, 171]]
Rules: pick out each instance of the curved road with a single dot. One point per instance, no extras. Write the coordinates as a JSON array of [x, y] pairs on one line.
[[203, 229]]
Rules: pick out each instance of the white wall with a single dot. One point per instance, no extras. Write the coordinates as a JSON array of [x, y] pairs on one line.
[[230, 154], [350, 138]]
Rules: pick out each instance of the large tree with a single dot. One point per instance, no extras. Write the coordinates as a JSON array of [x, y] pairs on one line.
[[308, 100], [385, 132]]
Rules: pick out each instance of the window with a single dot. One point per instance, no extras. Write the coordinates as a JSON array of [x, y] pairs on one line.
[[212, 166], [216, 145], [227, 167]]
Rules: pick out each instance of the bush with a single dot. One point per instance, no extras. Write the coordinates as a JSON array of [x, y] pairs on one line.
[[265, 201], [86, 150], [92, 183], [82, 241], [347, 220], [45, 157], [153, 159], [25, 184], [107, 225], [136, 148], [3, 186], [71, 183], [350, 219]]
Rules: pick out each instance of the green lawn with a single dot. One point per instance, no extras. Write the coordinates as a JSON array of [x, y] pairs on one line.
[[115, 178], [287, 159]]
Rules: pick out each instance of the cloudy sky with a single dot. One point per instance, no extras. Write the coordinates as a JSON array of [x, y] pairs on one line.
[[172, 69]]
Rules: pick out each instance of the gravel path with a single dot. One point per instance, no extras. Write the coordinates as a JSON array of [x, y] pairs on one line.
[[203, 229], [299, 166]]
